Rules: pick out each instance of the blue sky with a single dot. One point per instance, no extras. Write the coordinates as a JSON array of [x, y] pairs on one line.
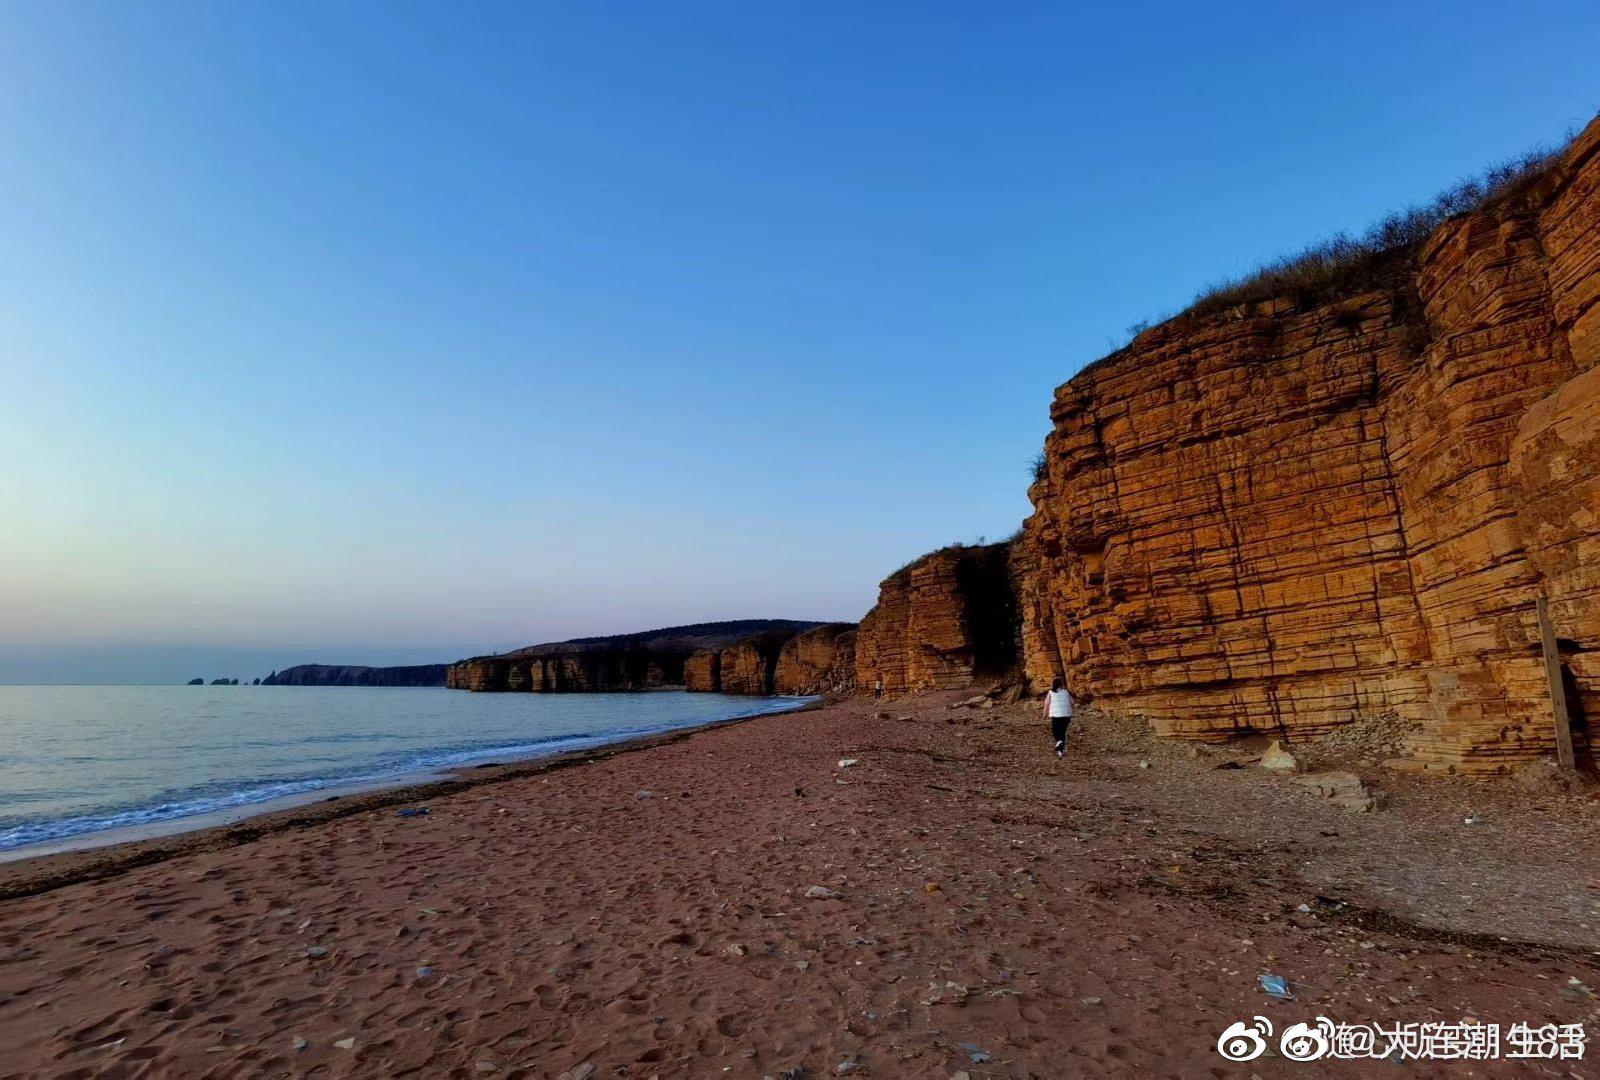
[[390, 332]]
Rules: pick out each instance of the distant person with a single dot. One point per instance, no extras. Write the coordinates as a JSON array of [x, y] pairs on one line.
[[877, 687], [1058, 707]]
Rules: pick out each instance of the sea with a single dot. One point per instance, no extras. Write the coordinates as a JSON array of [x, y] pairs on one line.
[[80, 762]]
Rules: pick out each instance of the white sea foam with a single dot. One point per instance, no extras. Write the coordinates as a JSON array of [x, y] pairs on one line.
[[342, 738]]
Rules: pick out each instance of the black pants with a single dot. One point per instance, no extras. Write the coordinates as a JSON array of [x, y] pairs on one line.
[[1058, 727]]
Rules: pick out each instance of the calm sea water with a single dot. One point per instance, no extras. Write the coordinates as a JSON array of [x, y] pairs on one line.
[[75, 760]]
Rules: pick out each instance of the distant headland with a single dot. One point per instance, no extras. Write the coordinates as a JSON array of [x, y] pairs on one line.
[[640, 661], [357, 675]]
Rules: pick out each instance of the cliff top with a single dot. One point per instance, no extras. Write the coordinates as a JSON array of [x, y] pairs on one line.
[[357, 675], [949, 549], [1383, 257], [711, 635]]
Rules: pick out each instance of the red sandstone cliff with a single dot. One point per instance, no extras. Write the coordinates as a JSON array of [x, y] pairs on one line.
[[650, 658], [702, 672], [819, 661], [940, 622], [816, 661], [1283, 516]]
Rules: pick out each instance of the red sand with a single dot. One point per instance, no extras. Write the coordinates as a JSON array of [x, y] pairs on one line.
[[1083, 918]]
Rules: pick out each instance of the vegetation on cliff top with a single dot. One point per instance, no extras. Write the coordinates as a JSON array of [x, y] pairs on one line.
[[979, 545], [1384, 255], [673, 639]]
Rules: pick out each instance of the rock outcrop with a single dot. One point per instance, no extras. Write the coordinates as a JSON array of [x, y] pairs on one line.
[[818, 661], [780, 661], [1281, 516], [947, 618], [356, 675], [750, 665], [640, 661], [702, 672]]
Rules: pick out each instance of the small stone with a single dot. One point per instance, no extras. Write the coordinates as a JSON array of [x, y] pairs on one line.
[[346, 1044], [735, 950], [948, 994], [1277, 759], [930, 887], [316, 952], [1091, 1001], [849, 762], [424, 972], [300, 1044], [643, 795], [582, 1072], [487, 1067], [821, 892], [1344, 789], [802, 965], [1144, 764], [845, 1068]]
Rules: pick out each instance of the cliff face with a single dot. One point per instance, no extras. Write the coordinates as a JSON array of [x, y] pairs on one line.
[[641, 661], [1283, 518], [816, 661], [748, 667], [592, 671], [355, 675], [944, 620], [820, 661], [702, 672]]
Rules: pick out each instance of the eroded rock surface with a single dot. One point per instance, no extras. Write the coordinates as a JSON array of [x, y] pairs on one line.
[[1277, 518], [819, 661], [945, 619], [640, 661]]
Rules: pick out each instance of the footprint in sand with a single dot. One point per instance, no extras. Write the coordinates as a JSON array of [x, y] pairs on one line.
[[733, 1025]]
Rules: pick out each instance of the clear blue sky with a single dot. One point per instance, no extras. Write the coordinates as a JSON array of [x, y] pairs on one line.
[[388, 332]]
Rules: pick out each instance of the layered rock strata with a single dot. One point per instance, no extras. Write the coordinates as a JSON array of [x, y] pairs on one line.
[[816, 661], [641, 661], [750, 666], [947, 618], [819, 661], [702, 672], [1282, 517]]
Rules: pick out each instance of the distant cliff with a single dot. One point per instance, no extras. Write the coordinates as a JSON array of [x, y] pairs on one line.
[[779, 661], [355, 675], [946, 619], [638, 661]]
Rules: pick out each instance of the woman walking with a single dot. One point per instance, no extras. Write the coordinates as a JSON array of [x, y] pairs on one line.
[[1058, 708]]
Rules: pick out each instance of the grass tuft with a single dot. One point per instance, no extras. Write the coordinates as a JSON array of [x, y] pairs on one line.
[[1382, 257]]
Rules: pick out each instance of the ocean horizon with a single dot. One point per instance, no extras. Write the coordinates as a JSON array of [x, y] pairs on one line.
[[77, 760]]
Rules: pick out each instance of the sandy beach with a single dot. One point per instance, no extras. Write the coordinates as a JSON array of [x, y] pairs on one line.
[[734, 902]]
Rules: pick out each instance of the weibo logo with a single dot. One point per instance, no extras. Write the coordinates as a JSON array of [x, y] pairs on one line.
[[1245, 1042]]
